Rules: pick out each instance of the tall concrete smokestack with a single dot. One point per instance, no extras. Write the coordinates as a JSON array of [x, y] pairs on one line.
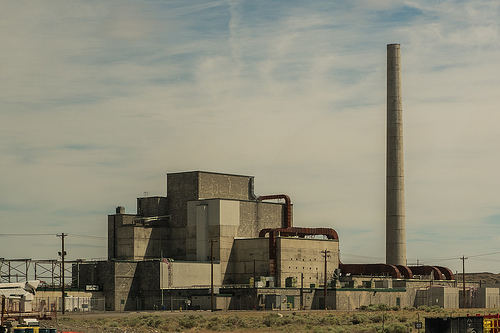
[[395, 252]]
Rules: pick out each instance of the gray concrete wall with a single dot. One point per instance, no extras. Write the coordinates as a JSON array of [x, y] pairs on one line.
[[224, 186], [223, 221], [255, 216], [119, 239], [116, 280], [125, 286], [188, 274], [245, 251], [211, 219], [137, 284], [303, 255], [416, 284], [487, 298], [232, 213], [444, 297], [133, 237], [204, 302], [152, 206], [134, 242], [295, 256], [146, 243], [348, 299], [198, 185]]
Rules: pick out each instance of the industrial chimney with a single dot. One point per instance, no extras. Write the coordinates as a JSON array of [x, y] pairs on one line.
[[395, 252]]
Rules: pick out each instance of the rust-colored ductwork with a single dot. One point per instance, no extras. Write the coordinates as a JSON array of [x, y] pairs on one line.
[[288, 206], [448, 274], [427, 270], [405, 271], [397, 271], [289, 230], [371, 269], [302, 232]]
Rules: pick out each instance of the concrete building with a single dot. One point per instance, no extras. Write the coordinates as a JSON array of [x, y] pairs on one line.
[[160, 257], [167, 249], [205, 214]]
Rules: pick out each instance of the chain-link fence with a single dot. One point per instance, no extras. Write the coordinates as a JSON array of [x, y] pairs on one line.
[[194, 302], [72, 304], [157, 304]]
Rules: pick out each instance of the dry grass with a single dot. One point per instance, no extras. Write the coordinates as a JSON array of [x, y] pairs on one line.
[[370, 320]]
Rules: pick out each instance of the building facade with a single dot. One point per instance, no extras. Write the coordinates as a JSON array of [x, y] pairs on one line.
[[171, 242]]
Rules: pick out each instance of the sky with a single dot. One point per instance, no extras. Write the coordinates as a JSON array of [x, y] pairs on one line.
[[100, 99]]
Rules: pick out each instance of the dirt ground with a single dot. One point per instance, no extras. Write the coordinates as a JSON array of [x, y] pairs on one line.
[[253, 321]]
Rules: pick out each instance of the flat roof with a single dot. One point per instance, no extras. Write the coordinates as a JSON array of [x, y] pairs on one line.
[[208, 172]]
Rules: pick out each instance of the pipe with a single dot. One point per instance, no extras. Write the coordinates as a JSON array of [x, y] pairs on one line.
[[288, 206], [370, 269], [302, 232], [406, 271], [289, 230], [427, 270], [398, 271], [448, 274], [293, 231]]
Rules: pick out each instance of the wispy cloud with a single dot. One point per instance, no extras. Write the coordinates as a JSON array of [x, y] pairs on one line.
[[99, 100]]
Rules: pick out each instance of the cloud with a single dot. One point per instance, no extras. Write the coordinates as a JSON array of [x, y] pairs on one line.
[[100, 100]]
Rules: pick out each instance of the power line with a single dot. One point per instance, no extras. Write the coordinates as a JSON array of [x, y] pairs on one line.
[[32, 234], [28, 235], [359, 256], [423, 260], [488, 260], [486, 254], [87, 236], [459, 258]]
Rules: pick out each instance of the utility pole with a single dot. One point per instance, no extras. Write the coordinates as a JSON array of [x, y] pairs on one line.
[[326, 256], [3, 308], [212, 298], [62, 254], [162, 261], [254, 288], [463, 279], [301, 291]]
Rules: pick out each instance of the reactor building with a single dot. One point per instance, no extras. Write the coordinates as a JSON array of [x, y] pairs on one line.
[[211, 235]]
